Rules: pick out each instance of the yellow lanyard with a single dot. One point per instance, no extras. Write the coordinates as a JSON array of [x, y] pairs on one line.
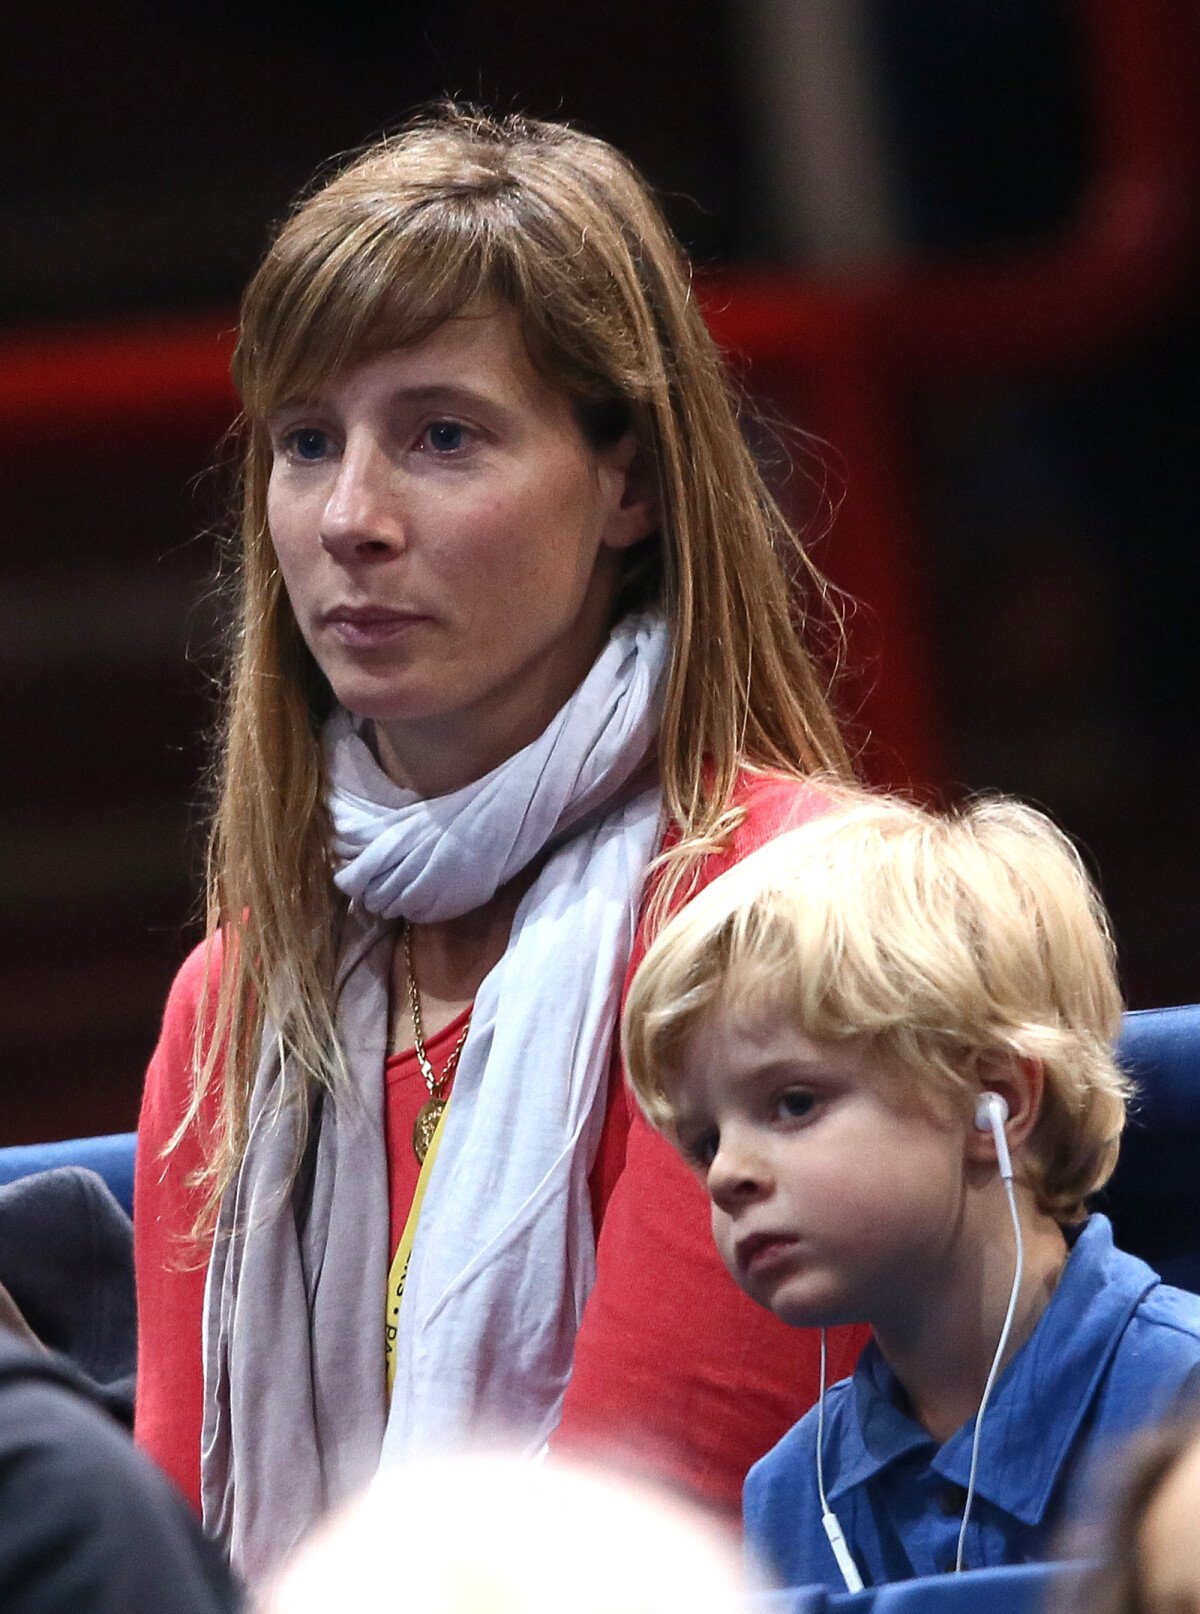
[[399, 1268]]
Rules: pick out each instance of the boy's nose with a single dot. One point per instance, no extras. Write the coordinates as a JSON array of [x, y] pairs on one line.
[[362, 515], [738, 1173]]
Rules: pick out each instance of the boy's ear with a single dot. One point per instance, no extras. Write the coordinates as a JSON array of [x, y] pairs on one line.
[[1020, 1082]]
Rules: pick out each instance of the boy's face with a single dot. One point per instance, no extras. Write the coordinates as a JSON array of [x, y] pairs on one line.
[[837, 1192]]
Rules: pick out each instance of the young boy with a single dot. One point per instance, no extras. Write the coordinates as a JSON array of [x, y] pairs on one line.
[[814, 1031]]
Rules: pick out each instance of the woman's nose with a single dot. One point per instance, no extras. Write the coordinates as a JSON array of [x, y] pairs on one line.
[[362, 516], [739, 1173]]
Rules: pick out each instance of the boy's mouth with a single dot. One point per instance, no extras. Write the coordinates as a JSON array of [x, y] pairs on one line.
[[759, 1251]]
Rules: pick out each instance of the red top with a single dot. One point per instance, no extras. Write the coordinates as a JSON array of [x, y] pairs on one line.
[[676, 1372], [405, 1091]]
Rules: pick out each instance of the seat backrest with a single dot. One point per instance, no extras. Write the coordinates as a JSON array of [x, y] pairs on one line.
[[1013, 1589], [1154, 1195], [111, 1157]]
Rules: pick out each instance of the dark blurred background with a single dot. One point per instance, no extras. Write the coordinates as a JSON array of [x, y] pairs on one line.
[[983, 216]]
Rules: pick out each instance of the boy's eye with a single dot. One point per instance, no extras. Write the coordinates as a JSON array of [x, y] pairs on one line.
[[445, 436], [794, 1104], [702, 1149]]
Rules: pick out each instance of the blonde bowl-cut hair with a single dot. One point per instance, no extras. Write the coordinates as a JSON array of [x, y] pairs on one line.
[[458, 214], [936, 940]]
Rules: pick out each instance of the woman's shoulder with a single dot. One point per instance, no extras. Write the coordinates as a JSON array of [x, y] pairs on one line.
[[765, 804], [762, 805], [193, 991], [202, 964], [773, 802]]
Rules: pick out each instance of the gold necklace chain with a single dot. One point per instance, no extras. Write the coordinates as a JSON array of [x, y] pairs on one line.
[[430, 1112]]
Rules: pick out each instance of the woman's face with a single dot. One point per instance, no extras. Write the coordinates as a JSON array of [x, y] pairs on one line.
[[450, 544]]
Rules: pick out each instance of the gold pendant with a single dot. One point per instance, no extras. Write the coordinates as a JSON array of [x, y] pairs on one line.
[[425, 1126]]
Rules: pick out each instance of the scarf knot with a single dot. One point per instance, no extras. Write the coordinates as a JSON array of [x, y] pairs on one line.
[[405, 857]]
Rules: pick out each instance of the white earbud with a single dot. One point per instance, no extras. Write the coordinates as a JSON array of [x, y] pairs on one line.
[[991, 1112]]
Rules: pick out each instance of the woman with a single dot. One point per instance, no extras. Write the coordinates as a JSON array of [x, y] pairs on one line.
[[511, 611]]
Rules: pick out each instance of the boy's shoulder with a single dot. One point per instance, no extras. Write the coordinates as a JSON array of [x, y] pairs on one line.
[[1156, 1358], [1176, 1310], [1158, 1311], [1163, 1332], [781, 1508]]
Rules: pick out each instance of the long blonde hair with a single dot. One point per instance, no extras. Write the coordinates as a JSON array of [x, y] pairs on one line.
[[456, 211]]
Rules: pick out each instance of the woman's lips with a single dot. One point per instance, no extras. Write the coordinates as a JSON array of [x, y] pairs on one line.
[[363, 627]]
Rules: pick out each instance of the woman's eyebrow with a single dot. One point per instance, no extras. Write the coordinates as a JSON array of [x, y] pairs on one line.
[[446, 392], [430, 394], [452, 396]]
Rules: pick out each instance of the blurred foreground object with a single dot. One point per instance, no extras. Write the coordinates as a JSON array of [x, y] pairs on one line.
[[1144, 1543], [489, 1533], [86, 1521], [1168, 1547]]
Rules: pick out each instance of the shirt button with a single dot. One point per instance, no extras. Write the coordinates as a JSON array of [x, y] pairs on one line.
[[951, 1499]]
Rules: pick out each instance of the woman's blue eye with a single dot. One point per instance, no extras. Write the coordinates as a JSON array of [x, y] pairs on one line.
[[446, 436], [794, 1104], [307, 443]]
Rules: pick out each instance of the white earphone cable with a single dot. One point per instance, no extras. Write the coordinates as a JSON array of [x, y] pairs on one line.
[[821, 1431], [996, 1361], [829, 1522]]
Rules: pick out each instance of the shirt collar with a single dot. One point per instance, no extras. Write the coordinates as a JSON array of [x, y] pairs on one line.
[[1038, 1403]]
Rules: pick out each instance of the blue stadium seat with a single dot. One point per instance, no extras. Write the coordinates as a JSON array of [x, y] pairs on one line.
[[1154, 1196], [1020, 1589], [111, 1157]]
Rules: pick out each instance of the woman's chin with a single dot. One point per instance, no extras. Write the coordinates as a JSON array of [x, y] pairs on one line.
[[369, 703]]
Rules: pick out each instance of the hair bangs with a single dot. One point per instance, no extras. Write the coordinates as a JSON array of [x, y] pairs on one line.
[[328, 299]]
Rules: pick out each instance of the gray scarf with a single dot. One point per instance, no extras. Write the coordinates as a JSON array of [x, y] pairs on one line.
[[296, 1413]]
